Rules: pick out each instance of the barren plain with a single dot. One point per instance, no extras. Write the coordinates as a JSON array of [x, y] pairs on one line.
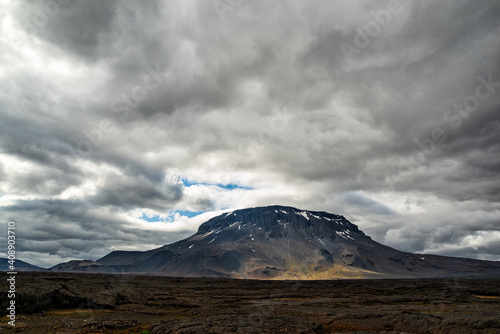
[[100, 303]]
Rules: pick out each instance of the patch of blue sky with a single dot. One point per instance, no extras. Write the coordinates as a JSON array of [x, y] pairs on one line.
[[171, 215], [189, 214], [229, 186], [152, 219]]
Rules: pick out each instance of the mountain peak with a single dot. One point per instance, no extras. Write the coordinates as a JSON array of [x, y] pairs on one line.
[[277, 217]]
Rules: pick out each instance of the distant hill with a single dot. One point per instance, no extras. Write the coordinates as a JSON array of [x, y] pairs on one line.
[[19, 265], [278, 242]]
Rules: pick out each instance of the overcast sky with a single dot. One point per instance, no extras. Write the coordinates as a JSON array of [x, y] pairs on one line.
[[126, 124]]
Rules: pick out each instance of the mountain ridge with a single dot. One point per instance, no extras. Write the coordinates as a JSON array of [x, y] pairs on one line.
[[18, 265], [281, 242]]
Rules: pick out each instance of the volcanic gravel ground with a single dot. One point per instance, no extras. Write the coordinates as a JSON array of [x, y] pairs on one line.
[[98, 303]]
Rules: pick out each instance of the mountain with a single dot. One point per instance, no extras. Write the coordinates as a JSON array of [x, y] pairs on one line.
[[19, 265], [278, 242]]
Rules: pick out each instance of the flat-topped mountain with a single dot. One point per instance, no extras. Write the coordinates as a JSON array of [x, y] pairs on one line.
[[278, 242]]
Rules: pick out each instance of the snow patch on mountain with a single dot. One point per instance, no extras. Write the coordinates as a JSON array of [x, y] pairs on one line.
[[303, 213]]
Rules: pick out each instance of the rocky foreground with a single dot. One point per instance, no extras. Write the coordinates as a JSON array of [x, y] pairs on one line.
[[101, 303]]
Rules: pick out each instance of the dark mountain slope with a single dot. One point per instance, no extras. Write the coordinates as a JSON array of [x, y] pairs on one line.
[[278, 242], [18, 264]]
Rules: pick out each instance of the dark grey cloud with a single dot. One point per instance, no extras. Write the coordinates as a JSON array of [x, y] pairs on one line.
[[137, 191], [74, 25], [110, 105]]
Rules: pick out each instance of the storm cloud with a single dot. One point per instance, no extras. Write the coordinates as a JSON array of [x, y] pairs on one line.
[[125, 125]]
